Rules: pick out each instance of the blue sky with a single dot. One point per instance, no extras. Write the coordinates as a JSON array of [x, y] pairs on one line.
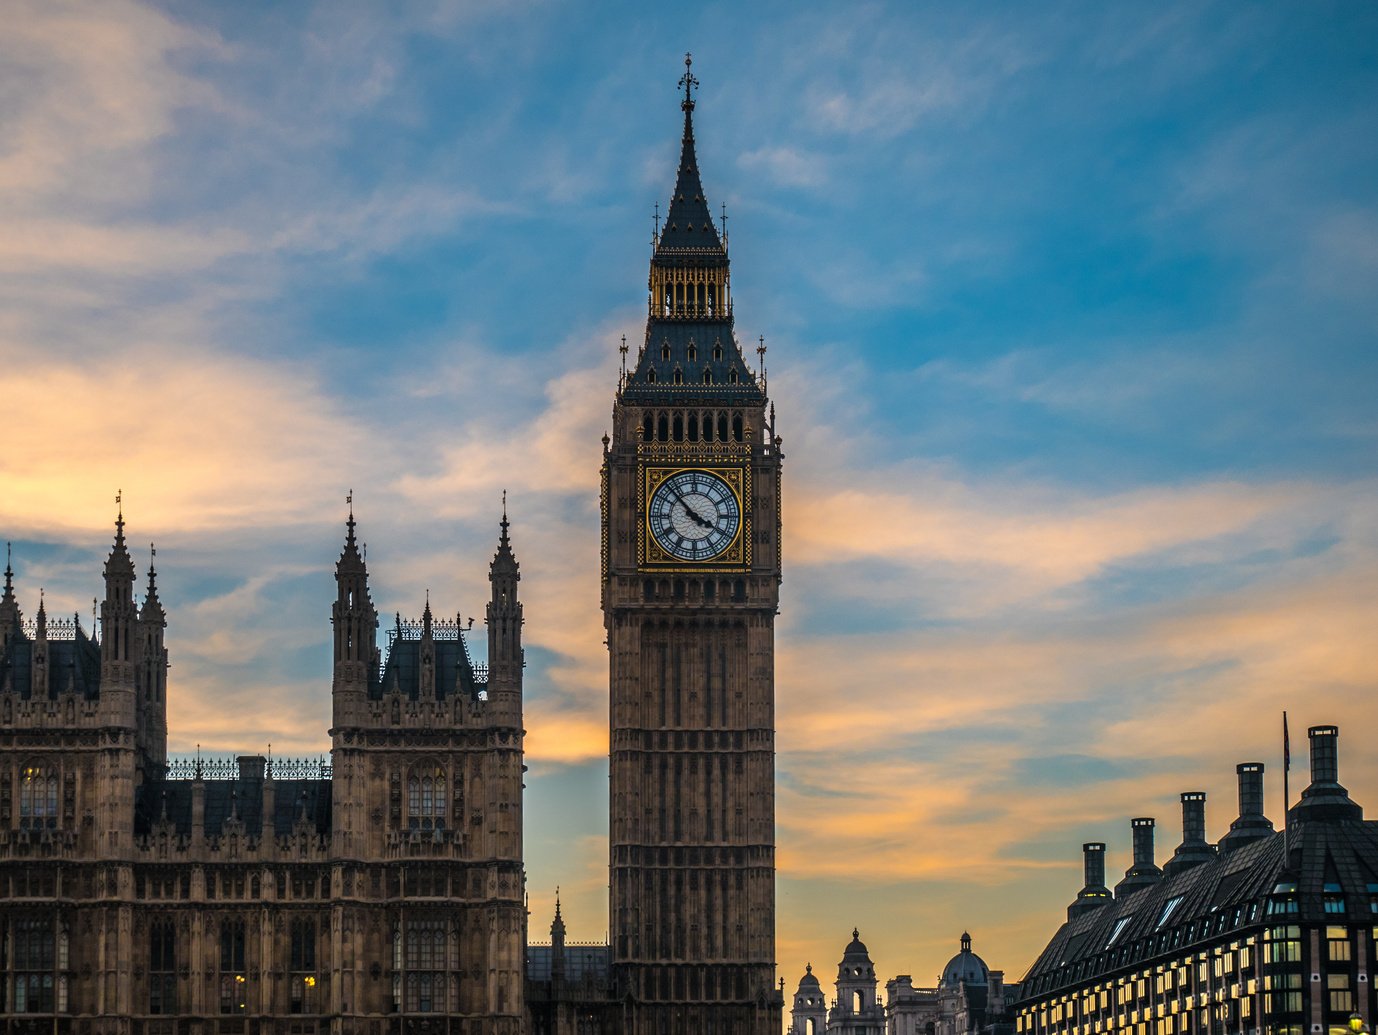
[[1071, 323]]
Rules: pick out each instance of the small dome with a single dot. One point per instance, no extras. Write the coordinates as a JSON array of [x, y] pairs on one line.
[[856, 948], [808, 982], [966, 967]]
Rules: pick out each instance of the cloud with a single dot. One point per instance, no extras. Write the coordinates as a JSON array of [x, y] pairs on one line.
[[89, 89], [196, 439], [786, 166]]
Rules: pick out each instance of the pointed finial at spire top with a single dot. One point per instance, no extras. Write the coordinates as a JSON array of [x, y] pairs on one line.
[[349, 523], [119, 517], [502, 540], [9, 570], [688, 82]]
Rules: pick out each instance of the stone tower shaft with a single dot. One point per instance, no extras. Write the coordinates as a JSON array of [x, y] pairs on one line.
[[691, 575]]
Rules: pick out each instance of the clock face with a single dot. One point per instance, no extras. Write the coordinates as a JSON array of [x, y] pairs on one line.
[[694, 515]]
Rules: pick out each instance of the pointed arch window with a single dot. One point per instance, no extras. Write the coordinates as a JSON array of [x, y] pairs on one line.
[[708, 376], [162, 966], [651, 376], [37, 797], [424, 967], [303, 965], [679, 376], [426, 798], [39, 953], [234, 992]]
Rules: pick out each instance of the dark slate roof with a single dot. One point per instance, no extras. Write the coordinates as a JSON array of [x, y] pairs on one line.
[[705, 336], [72, 663], [1214, 901], [454, 673], [583, 963], [688, 233], [243, 797]]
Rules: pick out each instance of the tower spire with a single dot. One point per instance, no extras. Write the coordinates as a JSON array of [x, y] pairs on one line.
[[9, 573], [688, 222], [688, 82]]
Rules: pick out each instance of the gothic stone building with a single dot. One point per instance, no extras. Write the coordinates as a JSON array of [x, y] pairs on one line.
[[381, 893]]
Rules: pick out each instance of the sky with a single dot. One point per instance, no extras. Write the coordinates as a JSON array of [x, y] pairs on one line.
[[1073, 338]]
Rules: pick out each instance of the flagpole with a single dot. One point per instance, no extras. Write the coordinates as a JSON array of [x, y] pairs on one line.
[[1286, 790]]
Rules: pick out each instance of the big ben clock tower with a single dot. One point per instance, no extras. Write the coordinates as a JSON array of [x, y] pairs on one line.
[[691, 583]]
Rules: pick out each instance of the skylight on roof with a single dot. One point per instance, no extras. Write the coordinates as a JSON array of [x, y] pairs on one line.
[[1168, 910], [1120, 925]]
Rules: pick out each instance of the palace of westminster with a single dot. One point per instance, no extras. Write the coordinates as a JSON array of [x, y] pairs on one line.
[[384, 891]]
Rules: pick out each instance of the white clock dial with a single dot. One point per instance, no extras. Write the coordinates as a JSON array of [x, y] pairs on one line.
[[694, 515]]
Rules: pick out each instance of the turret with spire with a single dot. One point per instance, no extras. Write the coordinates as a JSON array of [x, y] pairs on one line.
[[119, 618], [123, 766], [505, 657], [11, 620], [355, 626], [152, 676]]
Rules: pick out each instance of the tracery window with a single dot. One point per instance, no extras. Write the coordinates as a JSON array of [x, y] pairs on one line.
[[303, 976], [162, 967], [38, 951], [420, 956], [37, 797], [234, 993], [426, 799]]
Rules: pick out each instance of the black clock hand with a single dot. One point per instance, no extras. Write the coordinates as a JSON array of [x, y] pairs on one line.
[[699, 520]]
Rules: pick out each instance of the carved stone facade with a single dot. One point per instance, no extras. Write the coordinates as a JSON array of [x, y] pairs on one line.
[[381, 893]]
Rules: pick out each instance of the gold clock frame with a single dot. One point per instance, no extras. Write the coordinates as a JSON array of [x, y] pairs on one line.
[[649, 555]]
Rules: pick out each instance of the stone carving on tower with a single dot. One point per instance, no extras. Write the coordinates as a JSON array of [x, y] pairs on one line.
[[690, 584]]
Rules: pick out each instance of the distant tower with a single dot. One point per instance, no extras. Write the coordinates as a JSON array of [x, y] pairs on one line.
[[809, 1015], [857, 1010], [691, 584]]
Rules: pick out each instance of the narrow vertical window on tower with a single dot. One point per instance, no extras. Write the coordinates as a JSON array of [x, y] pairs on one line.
[[234, 979], [302, 970], [162, 966]]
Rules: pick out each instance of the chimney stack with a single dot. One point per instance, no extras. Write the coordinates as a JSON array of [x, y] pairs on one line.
[[1194, 849], [1252, 824], [1144, 872], [1094, 893], [1325, 798]]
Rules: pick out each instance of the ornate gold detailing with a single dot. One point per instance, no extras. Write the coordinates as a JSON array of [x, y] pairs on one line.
[[650, 556]]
